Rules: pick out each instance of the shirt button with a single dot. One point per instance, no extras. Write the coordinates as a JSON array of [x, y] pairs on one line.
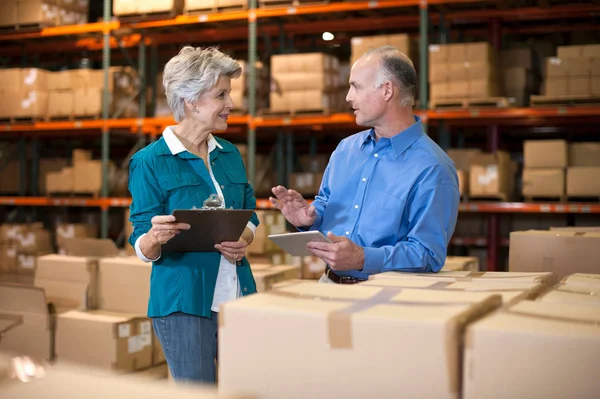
[[222, 187], [245, 289], [376, 155], [355, 206], [364, 179], [213, 163], [347, 233]]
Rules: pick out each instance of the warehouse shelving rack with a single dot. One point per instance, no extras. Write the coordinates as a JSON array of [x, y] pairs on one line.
[[112, 34]]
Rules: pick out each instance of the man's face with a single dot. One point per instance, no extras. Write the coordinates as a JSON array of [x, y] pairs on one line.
[[364, 97]]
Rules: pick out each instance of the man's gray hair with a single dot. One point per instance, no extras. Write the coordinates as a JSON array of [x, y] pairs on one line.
[[397, 68], [193, 72]]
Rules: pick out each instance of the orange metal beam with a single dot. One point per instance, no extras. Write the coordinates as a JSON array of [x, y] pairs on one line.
[[67, 30]]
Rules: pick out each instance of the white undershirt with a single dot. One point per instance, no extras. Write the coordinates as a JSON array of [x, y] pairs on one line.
[[227, 287]]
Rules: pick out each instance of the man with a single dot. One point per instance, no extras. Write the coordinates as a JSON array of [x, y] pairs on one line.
[[389, 196]]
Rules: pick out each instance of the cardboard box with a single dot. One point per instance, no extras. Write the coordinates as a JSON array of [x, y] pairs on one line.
[[124, 285], [580, 86], [60, 182], [301, 100], [480, 53], [584, 154], [556, 68], [463, 157], [556, 87], [34, 333], [482, 88], [438, 54], [89, 102], [461, 263], [33, 104], [266, 275], [87, 177], [589, 50], [595, 85], [49, 165], [560, 252], [578, 67], [121, 342], [511, 292], [545, 154], [353, 328], [534, 337], [439, 90], [34, 79], [583, 181], [582, 280], [544, 182], [33, 242], [305, 62], [124, 7], [319, 80], [60, 104], [65, 231], [573, 295], [37, 12], [491, 175], [8, 16], [10, 80], [458, 89], [545, 278]]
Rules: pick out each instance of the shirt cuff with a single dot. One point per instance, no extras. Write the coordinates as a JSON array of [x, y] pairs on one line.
[[315, 225], [374, 258], [252, 227], [140, 254]]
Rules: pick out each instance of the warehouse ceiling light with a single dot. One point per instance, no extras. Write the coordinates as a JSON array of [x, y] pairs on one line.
[[328, 36]]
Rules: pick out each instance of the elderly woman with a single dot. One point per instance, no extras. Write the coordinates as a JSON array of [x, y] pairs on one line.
[[180, 171]]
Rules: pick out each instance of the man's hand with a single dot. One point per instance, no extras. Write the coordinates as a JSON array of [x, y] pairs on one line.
[[342, 254], [293, 207], [233, 251]]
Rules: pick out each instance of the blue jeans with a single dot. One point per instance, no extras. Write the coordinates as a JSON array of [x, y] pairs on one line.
[[190, 346]]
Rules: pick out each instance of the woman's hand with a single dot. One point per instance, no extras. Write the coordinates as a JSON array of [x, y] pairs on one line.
[[164, 228], [233, 251]]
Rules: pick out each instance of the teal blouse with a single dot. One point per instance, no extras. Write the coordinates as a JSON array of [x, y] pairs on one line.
[[160, 182]]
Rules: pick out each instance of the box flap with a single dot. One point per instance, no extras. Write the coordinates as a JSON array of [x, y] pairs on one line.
[[100, 316], [92, 247], [557, 233], [585, 229], [21, 299]]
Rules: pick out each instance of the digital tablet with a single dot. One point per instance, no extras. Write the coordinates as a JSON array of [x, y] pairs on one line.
[[208, 227], [295, 243]]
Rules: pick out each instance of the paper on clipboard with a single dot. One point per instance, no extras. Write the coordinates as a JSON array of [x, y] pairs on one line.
[[207, 228]]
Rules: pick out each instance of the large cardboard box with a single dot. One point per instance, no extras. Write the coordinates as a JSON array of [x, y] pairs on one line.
[[306, 183], [518, 58], [559, 252], [8, 16], [583, 181], [544, 182], [89, 102], [33, 335], [545, 278], [573, 294], [588, 50], [70, 282], [65, 231], [34, 242], [305, 62], [318, 80], [312, 329], [60, 103], [463, 182], [580, 86], [463, 157], [33, 104], [583, 280], [533, 349], [461, 263], [87, 177], [545, 154], [124, 285], [584, 154], [556, 87], [110, 341]]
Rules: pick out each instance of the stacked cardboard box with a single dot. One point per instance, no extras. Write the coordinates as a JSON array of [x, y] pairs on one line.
[[44, 12], [271, 222], [20, 245], [491, 175], [351, 328], [461, 263], [206, 5], [360, 45], [67, 231], [98, 294], [574, 72], [304, 82], [576, 289], [545, 163], [460, 71], [267, 275], [85, 176], [463, 159], [240, 87], [583, 173], [521, 74], [562, 252], [126, 7], [23, 93]]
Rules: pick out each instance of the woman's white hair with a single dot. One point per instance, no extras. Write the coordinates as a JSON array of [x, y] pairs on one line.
[[192, 72]]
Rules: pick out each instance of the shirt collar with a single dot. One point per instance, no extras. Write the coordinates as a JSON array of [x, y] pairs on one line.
[[176, 146], [401, 141]]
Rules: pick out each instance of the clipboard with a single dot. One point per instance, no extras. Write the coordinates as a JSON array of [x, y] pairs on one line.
[[208, 227]]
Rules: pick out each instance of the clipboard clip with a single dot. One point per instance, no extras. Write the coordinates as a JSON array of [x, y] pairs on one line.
[[213, 202]]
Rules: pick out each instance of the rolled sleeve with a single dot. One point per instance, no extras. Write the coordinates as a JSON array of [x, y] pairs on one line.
[[140, 254]]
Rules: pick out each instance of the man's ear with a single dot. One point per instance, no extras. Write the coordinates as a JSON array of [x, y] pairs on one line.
[[388, 91]]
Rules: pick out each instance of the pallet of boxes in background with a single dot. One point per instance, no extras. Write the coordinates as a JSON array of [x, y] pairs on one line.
[[136, 10], [33, 15], [198, 7]]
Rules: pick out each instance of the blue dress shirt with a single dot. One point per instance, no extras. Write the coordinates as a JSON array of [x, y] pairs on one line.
[[396, 197]]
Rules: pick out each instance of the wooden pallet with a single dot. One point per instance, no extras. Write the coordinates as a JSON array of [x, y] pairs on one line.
[[30, 27], [538, 198], [71, 118], [72, 195], [216, 8], [572, 198], [463, 103], [573, 101], [294, 113], [149, 16], [21, 120]]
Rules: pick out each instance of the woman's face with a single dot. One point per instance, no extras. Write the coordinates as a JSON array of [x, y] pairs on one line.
[[213, 107]]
